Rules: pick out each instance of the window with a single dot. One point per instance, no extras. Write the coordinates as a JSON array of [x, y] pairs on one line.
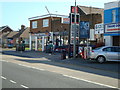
[[117, 49], [113, 16], [34, 24], [45, 22], [112, 49], [109, 49]]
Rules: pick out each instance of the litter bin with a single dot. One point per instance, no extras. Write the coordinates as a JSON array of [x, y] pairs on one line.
[[63, 55]]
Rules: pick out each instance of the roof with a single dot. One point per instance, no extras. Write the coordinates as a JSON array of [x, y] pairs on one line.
[[47, 15], [91, 10], [4, 27], [4, 35], [111, 5], [19, 33], [12, 34], [1, 28], [25, 33]]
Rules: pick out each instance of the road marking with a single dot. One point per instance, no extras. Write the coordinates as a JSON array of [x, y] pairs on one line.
[[13, 81], [38, 68], [31, 67], [90, 81], [4, 60], [24, 86], [24, 65], [20, 64], [3, 78]]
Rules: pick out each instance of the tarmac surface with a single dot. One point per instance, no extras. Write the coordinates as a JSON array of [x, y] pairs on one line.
[[56, 57]]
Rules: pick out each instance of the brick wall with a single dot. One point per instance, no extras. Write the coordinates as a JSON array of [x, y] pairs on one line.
[[55, 25]]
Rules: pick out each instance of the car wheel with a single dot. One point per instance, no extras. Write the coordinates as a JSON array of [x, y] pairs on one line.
[[101, 59]]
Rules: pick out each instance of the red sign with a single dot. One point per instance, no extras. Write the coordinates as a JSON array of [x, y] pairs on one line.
[[73, 9], [65, 20]]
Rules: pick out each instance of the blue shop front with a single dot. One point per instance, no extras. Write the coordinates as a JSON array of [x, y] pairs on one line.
[[112, 23]]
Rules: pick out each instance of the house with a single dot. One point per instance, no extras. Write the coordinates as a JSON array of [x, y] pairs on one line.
[[94, 16], [25, 36], [3, 39], [11, 39], [4, 31], [22, 35], [47, 28]]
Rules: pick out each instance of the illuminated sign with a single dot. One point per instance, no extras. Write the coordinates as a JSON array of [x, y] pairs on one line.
[[112, 27], [65, 20]]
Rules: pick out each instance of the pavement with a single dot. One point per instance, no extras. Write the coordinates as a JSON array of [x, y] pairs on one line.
[[56, 57]]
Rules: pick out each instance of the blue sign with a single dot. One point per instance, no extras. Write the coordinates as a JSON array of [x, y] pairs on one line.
[[84, 29]]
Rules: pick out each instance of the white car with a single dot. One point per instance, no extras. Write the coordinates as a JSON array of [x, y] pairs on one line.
[[105, 53]]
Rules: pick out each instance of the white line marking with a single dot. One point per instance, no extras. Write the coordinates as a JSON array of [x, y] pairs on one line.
[[38, 68], [20, 64], [4, 60], [24, 86], [3, 78], [24, 65], [12, 81], [31, 67], [90, 81]]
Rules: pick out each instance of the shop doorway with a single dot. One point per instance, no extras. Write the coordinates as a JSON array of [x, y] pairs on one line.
[[116, 40], [39, 44], [33, 45]]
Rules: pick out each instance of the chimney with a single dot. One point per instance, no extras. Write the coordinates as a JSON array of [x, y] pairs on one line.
[[22, 27]]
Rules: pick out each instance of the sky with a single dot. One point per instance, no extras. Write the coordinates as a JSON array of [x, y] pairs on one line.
[[15, 13]]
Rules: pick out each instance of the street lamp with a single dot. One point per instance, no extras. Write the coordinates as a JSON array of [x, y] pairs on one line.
[[74, 43]]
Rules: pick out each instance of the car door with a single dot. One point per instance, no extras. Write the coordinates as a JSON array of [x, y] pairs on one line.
[[117, 50], [110, 54]]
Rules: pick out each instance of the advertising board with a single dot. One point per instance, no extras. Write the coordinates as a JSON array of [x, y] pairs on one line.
[[99, 28], [84, 29]]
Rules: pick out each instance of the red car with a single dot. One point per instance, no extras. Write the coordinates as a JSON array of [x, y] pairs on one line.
[[61, 48]]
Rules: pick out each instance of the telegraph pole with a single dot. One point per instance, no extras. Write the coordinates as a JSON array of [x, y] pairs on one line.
[[51, 22], [74, 43], [49, 12]]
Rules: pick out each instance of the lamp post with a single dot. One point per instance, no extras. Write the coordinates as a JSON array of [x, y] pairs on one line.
[[74, 43]]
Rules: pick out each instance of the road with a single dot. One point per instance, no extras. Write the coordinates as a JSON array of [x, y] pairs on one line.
[[19, 74]]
